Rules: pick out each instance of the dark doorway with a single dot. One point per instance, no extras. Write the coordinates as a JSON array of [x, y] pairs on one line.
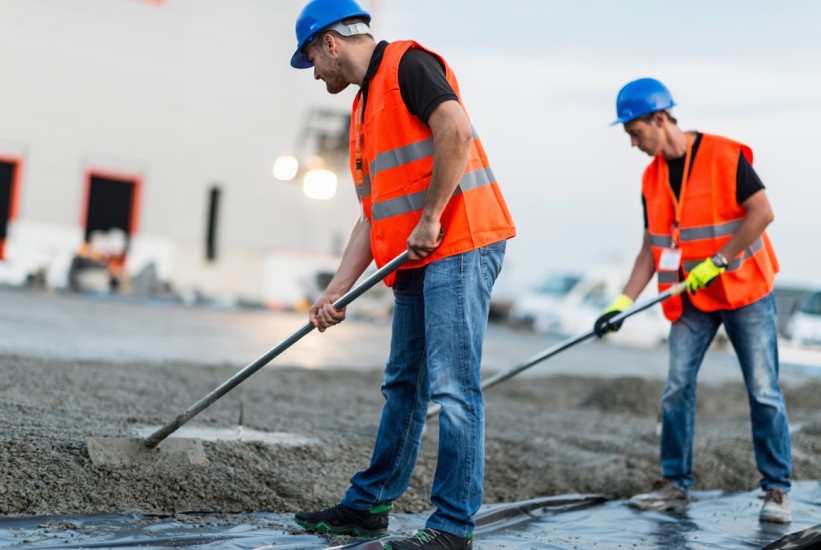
[[8, 173], [110, 204]]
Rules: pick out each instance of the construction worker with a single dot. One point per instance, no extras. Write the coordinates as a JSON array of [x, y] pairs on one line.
[[705, 217], [425, 185]]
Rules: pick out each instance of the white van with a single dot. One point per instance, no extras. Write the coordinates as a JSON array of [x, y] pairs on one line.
[[567, 303], [804, 325]]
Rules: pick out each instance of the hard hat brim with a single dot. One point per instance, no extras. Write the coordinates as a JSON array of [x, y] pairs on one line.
[[300, 61], [628, 118]]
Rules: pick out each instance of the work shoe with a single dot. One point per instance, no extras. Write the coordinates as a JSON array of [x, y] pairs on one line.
[[665, 497], [776, 507], [342, 520], [433, 539]]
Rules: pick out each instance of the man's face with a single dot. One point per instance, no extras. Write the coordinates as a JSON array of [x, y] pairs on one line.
[[327, 67], [646, 135]]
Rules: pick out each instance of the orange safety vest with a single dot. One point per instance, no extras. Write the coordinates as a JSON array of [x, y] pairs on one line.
[[391, 156], [709, 216]]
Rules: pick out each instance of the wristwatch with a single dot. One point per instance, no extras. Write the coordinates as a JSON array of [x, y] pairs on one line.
[[719, 260]]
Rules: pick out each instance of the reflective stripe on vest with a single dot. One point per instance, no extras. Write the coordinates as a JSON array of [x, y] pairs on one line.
[[697, 233], [363, 190], [416, 201]]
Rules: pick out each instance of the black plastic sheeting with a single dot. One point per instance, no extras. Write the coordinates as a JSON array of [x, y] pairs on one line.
[[715, 520]]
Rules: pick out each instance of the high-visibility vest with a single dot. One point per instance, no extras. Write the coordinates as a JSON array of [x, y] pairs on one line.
[[391, 156], [710, 216]]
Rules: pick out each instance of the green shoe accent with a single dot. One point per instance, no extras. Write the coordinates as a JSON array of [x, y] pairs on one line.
[[380, 508], [433, 539], [323, 527]]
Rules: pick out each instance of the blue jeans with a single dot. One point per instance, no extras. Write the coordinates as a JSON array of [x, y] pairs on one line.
[[439, 322], [751, 330]]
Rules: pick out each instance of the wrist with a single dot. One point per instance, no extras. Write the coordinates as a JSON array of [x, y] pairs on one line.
[[430, 218], [719, 260]]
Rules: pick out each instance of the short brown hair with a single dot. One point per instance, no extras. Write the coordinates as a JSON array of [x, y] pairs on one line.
[[647, 117]]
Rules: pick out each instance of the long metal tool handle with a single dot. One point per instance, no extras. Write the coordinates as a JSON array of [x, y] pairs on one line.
[[154, 439], [433, 410]]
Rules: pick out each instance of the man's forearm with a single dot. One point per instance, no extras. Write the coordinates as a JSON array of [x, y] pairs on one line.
[[355, 259], [643, 269]]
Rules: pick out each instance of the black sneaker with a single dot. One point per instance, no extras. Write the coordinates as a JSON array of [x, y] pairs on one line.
[[342, 520], [431, 538]]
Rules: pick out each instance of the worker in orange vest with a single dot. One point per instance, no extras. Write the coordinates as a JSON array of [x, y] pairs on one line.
[[425, 185], [705, 217]]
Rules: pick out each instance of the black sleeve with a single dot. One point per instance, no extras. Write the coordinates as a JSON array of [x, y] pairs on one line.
[[422, 83], [747, 181], [644, 210]]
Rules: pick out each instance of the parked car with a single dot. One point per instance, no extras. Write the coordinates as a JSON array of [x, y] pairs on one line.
[[568, 304], [541, 307], [804, 325]]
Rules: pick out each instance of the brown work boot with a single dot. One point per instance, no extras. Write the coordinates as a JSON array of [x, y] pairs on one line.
[[666, 496], [776, 508]]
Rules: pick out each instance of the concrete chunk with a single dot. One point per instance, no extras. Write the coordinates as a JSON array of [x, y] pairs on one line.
[[121, 451]]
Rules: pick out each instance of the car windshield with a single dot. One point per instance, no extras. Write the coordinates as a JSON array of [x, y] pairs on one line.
[[812, 305], [558, 285]]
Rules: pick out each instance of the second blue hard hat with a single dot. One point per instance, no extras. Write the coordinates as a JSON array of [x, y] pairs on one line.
[[317, 15], [642, 97]]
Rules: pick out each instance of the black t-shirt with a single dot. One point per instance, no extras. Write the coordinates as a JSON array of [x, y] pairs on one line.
[[747, 181], [422, 81]]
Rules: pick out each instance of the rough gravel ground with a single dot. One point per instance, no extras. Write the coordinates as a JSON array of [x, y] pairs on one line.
[[545, 436]]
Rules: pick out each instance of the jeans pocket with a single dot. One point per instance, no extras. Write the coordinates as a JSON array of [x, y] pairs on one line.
[[492, 257]]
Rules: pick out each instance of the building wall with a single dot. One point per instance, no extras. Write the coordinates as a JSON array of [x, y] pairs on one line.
[[184, 94]]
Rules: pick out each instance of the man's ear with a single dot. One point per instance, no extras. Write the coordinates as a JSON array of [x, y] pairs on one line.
[[659, 118], [329, 43]]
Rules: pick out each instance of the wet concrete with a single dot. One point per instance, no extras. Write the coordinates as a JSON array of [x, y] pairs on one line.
[[583, 422]]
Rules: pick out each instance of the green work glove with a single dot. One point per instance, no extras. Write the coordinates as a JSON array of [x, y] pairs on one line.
[[703, 275], [603, 324]]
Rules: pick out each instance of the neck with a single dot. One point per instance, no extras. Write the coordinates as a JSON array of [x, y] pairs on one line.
[[363, 60], [676, 143]]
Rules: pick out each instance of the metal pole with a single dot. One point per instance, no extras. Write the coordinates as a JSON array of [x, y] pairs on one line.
[[433, 410], [154, 439]]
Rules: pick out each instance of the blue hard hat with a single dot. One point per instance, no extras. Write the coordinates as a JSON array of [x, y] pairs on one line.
[[317, 15], [642, 97]]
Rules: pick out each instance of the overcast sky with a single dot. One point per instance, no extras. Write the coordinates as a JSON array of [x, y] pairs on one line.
[[540, 78]]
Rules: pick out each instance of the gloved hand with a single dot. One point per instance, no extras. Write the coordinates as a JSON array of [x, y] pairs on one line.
[[602, 325], [703, 275]]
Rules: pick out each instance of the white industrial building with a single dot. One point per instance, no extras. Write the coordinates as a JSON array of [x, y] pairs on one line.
[[159, 121]]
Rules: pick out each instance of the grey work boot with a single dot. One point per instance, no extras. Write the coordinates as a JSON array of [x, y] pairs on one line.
[[776, 508], [666, 496]]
